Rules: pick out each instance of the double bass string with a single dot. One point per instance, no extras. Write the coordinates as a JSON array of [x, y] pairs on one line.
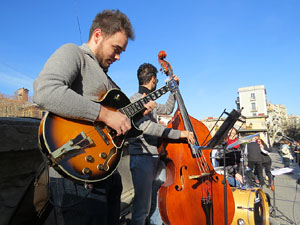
[[201, 162], [187, 123], [200, 159]]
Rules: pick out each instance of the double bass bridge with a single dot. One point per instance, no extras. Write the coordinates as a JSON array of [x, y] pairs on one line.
[[200, 176]]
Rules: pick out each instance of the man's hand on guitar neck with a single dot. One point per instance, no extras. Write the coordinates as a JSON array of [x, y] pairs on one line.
[[149, 106], [115, 120]]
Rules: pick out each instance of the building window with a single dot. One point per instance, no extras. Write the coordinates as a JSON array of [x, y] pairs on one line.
[[252, 95], [253, 106]]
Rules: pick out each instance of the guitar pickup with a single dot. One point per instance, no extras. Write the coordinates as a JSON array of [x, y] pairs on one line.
[[104, 137], [79, 142]]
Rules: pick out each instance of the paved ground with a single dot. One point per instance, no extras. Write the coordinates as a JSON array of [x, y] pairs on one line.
[[285, 207]]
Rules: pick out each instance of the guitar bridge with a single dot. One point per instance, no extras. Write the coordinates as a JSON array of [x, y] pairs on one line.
[[79, 142]]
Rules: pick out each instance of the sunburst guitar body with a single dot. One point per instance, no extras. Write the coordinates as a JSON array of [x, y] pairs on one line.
[[86, 151]]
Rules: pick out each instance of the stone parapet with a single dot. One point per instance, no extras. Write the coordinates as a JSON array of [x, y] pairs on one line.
[[20, 159], [18, 134]]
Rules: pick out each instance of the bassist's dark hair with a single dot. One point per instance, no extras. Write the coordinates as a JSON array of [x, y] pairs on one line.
[[145, 72]]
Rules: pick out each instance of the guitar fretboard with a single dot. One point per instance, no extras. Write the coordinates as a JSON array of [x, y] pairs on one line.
[[136, 107]]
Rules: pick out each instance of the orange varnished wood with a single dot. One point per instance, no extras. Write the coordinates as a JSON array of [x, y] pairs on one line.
[[184, 207], [191, 179]]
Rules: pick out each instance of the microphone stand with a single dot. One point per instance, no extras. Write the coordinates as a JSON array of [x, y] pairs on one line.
[[243, 165], [274, 208]]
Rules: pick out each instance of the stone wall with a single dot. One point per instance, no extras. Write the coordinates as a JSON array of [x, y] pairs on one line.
[[20, 159]]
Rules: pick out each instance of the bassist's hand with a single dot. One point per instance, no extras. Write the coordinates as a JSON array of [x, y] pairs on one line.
[[188, 135], [115, 120], [176, 79]]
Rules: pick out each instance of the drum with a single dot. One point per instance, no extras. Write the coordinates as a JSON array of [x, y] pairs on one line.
[[251, 207], [232, 157]]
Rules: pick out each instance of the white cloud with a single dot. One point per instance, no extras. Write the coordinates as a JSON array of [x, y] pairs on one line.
[[12, 81]]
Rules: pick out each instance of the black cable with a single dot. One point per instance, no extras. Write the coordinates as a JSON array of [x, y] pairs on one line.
[[77, 18], [88, 187]]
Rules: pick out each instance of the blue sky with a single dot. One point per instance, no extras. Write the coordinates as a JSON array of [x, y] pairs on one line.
[[214, 46]]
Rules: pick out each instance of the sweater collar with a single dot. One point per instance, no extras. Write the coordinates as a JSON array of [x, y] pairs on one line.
[[87, 49], [143, 90]]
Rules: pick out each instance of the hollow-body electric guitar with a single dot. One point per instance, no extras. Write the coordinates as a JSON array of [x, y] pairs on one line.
[[90, 151]]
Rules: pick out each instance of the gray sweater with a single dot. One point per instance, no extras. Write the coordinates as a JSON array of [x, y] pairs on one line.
[[148, 141], [70, 79]]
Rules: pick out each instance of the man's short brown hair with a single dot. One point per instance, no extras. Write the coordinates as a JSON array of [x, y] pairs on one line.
[[111, 22]]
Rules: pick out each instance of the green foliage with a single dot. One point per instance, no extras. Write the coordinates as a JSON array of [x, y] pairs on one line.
[[293, 132]]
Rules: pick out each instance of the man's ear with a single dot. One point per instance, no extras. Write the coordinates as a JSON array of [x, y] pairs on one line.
[[98, 35], [153, 79]]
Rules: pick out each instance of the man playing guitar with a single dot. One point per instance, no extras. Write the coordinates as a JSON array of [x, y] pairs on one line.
[[73, 78]]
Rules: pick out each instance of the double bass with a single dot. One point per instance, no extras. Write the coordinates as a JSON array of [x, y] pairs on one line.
[[193, 192]]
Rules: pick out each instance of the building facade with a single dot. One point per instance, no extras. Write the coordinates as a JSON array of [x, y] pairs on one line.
[[19, 105], [252, 101]]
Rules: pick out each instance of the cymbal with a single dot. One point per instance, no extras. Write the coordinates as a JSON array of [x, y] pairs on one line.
[[242, 140]]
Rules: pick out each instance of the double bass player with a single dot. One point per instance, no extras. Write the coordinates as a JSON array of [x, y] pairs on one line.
[[144, 159]]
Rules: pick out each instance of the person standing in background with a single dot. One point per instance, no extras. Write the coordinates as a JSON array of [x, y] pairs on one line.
[[286, 153], [253, 152], [266, 162], [297, 152]]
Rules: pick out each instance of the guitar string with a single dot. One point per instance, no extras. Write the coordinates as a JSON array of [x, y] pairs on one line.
[[199, 156], [190, 128]]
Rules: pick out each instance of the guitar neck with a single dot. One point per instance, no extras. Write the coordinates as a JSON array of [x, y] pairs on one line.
[[138, 106]]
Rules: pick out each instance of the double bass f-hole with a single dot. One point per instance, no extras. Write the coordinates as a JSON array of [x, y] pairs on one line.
[[181, 179]]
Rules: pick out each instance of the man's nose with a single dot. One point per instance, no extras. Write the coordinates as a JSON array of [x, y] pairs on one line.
[[117, 56]]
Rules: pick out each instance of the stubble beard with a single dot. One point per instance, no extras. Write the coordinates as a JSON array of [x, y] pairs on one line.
[[101, 59]]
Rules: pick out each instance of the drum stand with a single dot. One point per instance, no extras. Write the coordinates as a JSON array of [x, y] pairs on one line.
[[274, 208], [224, 183]]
